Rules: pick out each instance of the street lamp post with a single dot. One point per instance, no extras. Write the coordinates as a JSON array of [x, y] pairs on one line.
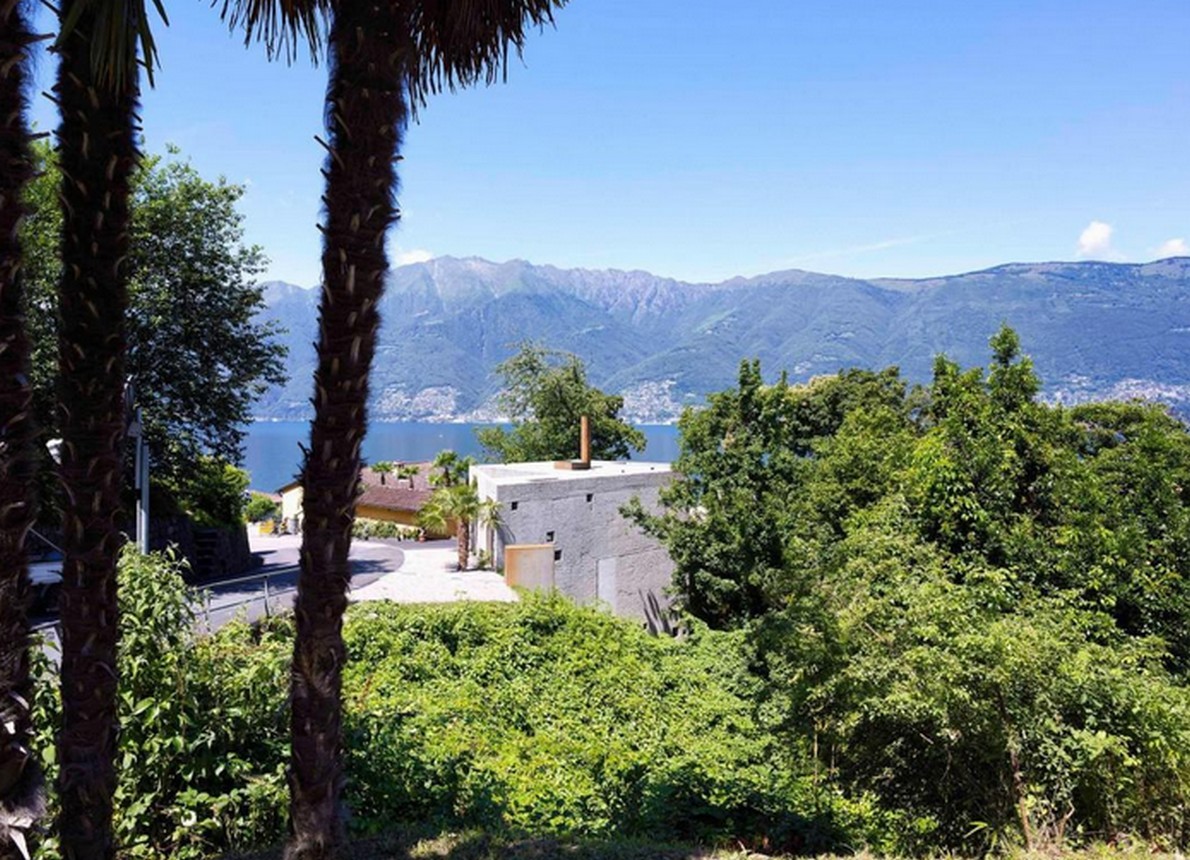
[[141, 480], [136, 433]]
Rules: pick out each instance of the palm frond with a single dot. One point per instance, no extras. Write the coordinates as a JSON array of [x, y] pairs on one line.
[[121, 37], [282, 26], [453, 43], [457, 43], [488, 513], [457, 502]]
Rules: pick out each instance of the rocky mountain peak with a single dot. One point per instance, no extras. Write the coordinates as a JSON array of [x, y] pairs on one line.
[[1092, 328]]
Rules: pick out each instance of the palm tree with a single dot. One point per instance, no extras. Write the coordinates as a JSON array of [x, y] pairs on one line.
[[408, 471], [385, 58], [457, 504], [383, 468], [488, 516], [451, 469], [21, 798], [97, 91]]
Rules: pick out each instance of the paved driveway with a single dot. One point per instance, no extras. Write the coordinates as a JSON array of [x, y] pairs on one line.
[[401, 572], [427, 574]]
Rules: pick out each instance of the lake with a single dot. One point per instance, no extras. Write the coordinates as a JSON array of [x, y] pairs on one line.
[[272, 456]]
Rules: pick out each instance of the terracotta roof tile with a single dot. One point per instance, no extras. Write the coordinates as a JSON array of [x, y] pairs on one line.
[[392, 493], [395, 493]]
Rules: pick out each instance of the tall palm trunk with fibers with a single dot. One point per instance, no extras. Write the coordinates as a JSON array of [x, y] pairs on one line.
[[463, 541], [20, 779], [366, 113], [97, 154], [385, 57]]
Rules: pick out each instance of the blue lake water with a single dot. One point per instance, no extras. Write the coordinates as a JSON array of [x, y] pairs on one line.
[[272, 455]]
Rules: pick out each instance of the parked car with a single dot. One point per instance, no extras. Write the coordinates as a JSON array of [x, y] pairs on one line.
[[45, 572]]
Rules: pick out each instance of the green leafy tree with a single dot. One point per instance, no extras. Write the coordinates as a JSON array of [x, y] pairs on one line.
[[383, 469], [261, 508], [1128, 533], [730, 522], [21, 801], [994, 461], [197, 354], [967, 604], [545, 395]]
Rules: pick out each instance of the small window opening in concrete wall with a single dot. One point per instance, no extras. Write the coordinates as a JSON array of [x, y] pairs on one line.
[[557, 555], [590, 497], [512, 505], [549, 537]]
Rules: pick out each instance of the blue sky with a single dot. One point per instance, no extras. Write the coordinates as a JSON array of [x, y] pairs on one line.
[[704, 140]]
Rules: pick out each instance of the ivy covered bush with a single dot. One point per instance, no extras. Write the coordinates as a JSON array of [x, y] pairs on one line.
[[542, 717]]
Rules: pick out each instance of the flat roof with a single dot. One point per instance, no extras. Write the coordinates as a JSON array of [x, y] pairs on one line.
[[521, 473]]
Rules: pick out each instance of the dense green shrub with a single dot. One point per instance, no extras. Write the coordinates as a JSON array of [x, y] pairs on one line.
[[204, 732], [214, 493], [366, 529], [546, 718], [260, 508], [974, 723], [537, 717]]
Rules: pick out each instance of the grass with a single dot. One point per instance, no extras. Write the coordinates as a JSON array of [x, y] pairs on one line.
[[477, 845]]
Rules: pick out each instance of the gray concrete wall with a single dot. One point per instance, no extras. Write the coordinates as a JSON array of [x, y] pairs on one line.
[[581, 518]]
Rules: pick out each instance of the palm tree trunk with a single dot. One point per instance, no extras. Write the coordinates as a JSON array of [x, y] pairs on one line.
[[366, 112], [463, 533], [21, 797], [97, 154]]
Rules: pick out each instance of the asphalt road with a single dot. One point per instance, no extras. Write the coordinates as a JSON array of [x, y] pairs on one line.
[[369, 561], [223, 600]]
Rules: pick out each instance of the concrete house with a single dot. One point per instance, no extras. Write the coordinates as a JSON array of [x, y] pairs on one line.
[[561, 528]]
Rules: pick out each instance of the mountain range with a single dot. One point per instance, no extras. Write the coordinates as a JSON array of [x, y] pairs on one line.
[[1094, 330]]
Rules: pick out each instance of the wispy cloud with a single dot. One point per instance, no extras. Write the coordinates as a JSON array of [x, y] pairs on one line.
[[1172, 248], [414, 255], [1095, 242], [852, 250]]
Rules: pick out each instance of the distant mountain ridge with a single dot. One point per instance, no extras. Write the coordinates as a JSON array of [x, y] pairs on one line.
[[1094, 330]]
